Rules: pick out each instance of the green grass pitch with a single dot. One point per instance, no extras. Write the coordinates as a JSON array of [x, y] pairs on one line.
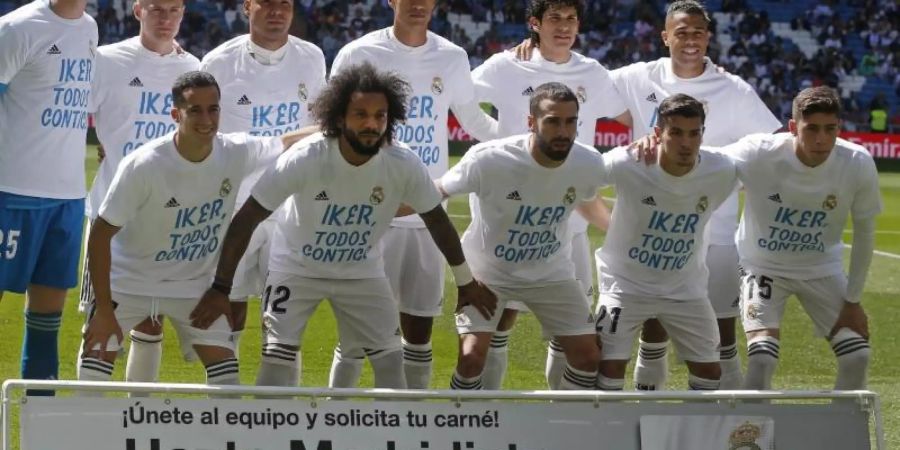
[[806, 362]]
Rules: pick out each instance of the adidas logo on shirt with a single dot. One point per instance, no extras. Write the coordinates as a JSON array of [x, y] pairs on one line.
[[652, 97], [244, 100], [322, 196], [775, 198], [528, 92], [54, 50], [514, 195], [136, 82], [649, 201], [172, 203]]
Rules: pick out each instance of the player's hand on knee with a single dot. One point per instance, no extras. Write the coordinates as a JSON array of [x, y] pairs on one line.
[[524, 50], [644, 149], [101, 153], [100, 328], [479, 296], [852, 316], [212, 305]]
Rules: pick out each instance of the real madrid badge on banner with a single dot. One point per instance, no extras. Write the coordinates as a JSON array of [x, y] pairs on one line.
[[707, 432]]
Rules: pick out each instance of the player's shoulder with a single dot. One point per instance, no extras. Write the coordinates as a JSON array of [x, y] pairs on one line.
[[501, 60], [306, 48], [376, 38], [24, 16], [509, 146], [714, 160], [149, 155], [852, 151], [579, 60], [398, 152], [729, 80], [226, 50], [640, 68], [445, 46]]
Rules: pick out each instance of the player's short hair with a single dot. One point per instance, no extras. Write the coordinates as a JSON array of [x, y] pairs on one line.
[[681, 105], [820, 99], [189, 80], [330, 107], [537, 8], [553, 90], [690, 7]]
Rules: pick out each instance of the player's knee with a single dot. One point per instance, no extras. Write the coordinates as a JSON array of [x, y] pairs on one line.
[[149, 327], [507, 320], [707, 371], [585, 355], [653, 331], [472, 356], [416, 329], [613, 368]]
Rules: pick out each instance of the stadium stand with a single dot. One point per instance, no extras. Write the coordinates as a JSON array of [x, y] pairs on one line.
[[778, 46]]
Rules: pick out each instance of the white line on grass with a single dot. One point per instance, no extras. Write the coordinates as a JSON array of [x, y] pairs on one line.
[[880, 253]]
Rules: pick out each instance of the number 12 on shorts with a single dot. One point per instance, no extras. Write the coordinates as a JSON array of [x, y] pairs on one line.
[[282, 293]]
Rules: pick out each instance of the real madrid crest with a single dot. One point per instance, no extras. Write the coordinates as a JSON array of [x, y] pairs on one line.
[[744, 437], [702, 205], [830, 202], [581, 93], [377, 195], [753, 311], [569, 198], [225, 189], [437, 86], [302, 94]]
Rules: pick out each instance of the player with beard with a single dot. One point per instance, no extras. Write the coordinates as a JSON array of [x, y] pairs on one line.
[[343, 187], [522, 191]]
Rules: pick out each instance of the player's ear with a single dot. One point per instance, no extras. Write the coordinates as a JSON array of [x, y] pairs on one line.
[[247, 7], [657, 131], [532, 124], [534, 24], [665, 37], [136, 10], [792, 126], [176, 114]]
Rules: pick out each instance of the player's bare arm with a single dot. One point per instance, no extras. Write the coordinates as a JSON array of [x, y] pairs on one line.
[[447, 240], [289, 139], [595, 212], [215, 302], [103, 323]]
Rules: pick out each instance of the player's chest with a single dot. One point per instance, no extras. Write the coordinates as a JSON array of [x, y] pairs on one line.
[[61, 63], [265, 107]]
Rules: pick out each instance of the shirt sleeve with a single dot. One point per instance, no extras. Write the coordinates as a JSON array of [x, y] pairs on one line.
[[279, 181], [341, 60], [485, 83], [476, 122], [753, 116], [464, 91], [464, 177], [13, 53], [97, 92], [867, 198], [421, 194], [612, 103], [126, 195]]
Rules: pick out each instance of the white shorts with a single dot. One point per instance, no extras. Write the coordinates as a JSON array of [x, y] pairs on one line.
[[415, 269], [559, 307], [581, 258], [690, 323], [724, 280], [250, 275], [131, 310], [763, 298], [366, 314]]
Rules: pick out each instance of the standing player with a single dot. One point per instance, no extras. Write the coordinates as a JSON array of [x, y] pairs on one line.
[[507, 82], [733, 110], [343, 186], [158, 233], [523, 190], [47, 51], [652, 264], [438, 72], [132, 105], [268, 80], [800, 187]]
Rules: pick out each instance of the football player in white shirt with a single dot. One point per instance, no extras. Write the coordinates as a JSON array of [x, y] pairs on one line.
[[438, 72], [800, 188], [507, 82], [523, 189], [733, 111], [343, 188], [47, 51], [652, 264], [155, 241], [269, 79], [132, 105]]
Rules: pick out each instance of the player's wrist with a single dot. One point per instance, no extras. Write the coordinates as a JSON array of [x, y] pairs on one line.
[[462, 275], [221, 285]]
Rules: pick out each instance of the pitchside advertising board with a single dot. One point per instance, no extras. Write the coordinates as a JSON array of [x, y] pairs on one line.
[[152, 423], [613, 134]]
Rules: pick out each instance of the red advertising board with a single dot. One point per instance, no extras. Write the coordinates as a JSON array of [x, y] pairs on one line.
[[613, 134]]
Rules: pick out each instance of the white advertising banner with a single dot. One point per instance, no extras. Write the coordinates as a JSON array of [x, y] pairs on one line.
[[707, 432], [195, 424]]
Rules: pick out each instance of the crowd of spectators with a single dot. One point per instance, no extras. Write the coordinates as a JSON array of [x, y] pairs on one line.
[[615, 32]]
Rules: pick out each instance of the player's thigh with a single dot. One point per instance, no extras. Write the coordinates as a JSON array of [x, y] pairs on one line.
[[692, 326], [581, 258], [822, 299], [415, 270], [724, 280], [287, 304], [23, 230], [129, 310], [366, 314], [57, 264], [763, 298], [250, 275], [560, 308], [618, 317], [178, 310], [469, 320]]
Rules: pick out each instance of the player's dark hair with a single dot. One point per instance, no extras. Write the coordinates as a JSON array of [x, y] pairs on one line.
[[537, 8], [690, 7], [821, 99], [557, 92], [680, 105], [189, 80], [330, 107]]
